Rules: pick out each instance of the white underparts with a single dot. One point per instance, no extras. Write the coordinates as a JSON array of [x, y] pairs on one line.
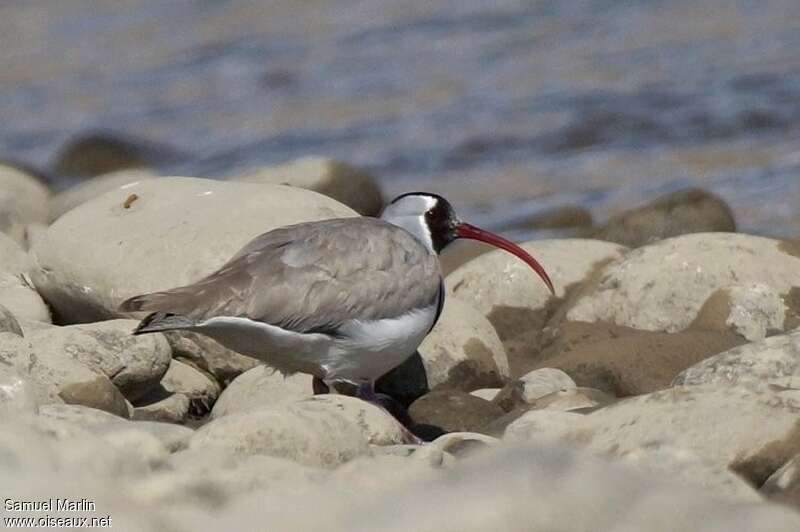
[[361, 351]]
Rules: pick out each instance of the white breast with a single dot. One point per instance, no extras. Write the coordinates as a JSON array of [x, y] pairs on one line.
[[368, 349]]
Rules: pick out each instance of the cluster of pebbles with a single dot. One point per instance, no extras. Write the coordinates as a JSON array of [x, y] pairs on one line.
[[659, 389]]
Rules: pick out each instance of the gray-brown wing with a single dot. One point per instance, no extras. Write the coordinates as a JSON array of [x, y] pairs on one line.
[[312, 277]]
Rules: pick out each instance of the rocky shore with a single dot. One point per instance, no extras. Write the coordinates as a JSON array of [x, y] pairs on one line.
[[659, 389]]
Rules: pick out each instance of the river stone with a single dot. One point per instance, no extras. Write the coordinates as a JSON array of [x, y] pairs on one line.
[[686, 211], [662, 286], [463, 444], [511, 295], [17, 392], [463, 351], [302, 432], [378, 427], [135, 364], [57, 377], [22, 299], [158, 234], [486, 393], [8, 323], [532, 386], [13, 259], [206, 478], [570, 399], [100, 152], [164, 408], [751, 432], [753, 311], [784, 484], [209, 355], [771, 363], [201, 389], [451, 411], [659, 459], [260, 387], [94, 187], [530, 488], [351, 186], [623, 361], [541, 425], [24, 199]]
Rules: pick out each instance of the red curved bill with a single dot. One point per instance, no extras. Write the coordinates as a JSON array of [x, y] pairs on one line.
[[466, 230]]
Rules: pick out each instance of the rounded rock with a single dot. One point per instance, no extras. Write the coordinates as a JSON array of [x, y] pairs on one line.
[[771, 363], [445, 411], [135, 364], [686, 211], [661, 287], [22, 299], [377, 426], [261, 387], [201, 389], [97, 186], [58, 377], [310, 436], [510, 294], [463, 351], [24, 199], [340, 181]]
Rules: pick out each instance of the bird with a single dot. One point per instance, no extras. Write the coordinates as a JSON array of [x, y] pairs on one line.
[[345, 300]]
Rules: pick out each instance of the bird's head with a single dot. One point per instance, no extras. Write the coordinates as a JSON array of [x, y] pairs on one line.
[[434, 222]]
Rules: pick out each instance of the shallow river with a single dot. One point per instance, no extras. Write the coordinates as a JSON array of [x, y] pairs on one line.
[[506, 107]]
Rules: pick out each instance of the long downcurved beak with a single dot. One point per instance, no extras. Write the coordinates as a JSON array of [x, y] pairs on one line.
[[465, 230]]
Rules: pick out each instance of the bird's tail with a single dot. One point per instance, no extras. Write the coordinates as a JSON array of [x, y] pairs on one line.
[[163, 321]]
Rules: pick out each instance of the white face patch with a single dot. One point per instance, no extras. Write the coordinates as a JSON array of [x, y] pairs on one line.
[[409, 213]]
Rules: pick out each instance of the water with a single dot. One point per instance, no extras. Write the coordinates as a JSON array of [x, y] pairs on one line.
[[506, 107]]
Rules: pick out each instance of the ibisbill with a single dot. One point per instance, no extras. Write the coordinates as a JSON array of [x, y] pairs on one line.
[[345, 300]]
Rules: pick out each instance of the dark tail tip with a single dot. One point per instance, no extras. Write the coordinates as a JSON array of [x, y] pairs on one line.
[[162, 321]]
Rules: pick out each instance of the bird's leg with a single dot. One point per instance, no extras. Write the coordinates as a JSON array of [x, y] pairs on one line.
[[366, 392], [320, 386]]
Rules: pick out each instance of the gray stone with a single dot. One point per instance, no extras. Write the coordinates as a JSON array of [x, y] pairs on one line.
[[21, 298], [771, 363], [377, 426], [57, 377], [533, 488], [532, 386], [171, 408], [8, 323], [302, 432], [662, 286], [511, 295], [463, 351], [751, 432], [135, 364], [94, 187], [201, 389], [13, 259], [209, 355], [486, 393], [17, 393], [784, 484], [24, 199], [686, 211], [353, 187], [260, 387], [451, 411], [753, 311]]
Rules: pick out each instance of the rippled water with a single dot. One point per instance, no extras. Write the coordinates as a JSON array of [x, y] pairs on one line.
[[507, 107]]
